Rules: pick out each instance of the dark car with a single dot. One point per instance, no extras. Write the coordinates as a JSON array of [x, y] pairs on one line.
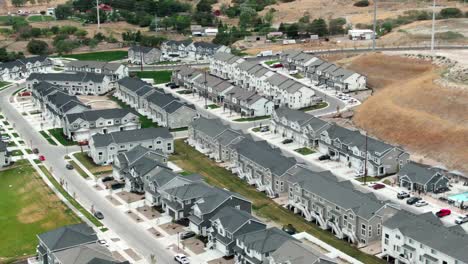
[[187, 235], [117, 185], [442, 190], [287, 141], [378, 186], [403, 195], [169, 84], [412, 200], [69, 166], [35, 150], [174, 86], [324, 157], [290, 229], [107, 178], [98, 215]]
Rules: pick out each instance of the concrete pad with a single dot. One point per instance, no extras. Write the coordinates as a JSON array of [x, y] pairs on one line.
[[148, 212], [195, 245], [155, 232], [131, 253], [129, 197], [134, 216], [172, 228], [113, 200]]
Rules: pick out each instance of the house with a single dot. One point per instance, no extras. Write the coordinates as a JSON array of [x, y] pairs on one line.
[[85, 83], [420, 177], [115, 70], [175, 49], [360, 34], [303, 128], [256, 247], [87, 254], [201, 50], [81, 126], [22, 68], [288, 92], [355, 150], [169, 111], [337, 206], [143, 55], [210, 204], [294, 252], [296, 60], [4, 155], [136, 165], [420, 239], [133, 91], [104, 147], [227, 225]]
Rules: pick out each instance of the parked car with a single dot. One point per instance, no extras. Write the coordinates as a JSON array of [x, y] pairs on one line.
[[461, 219], [181, 258], [103, 242], [277, 65], [5, 137], [187, 235], [287, 141], [443, 199], [107, 178], [35, 150], [442, 190], [117, 185], [264, 129], [293, 72], [69, 166], [378, 186], [169, 84], [420, 203], [174, 86], [402, 195], [443, 212], [324, 157], [412, 200], [290, 229], [41, 158], [98, 215]]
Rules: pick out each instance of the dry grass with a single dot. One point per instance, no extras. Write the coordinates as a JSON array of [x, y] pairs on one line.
[[411, 110]]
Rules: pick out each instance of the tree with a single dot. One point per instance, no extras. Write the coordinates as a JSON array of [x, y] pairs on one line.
[[450, 12], [18, 3], [293, 30], [38, 47], [319, 27], [91, 16], [247, 17], [66, 46], [362, 3], [63, 12], [337, 26]]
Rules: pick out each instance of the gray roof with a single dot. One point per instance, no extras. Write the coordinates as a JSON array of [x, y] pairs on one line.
[[228, 137], [68, 236], [211, 127], [86, 254], [265, 241], [343, 194], [126, 136], [190, 191], [429, 230], [214, 198], [226, 57], [185, 42], [22, 62], [232, 218], [93, 115], [417, 172], [142, 49], [133, 84], [68, 77], [206, 45], [300, 117], [167, 101], [106, 67], [294, 252]]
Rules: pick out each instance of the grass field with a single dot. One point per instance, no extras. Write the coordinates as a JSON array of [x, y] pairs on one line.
[[191, 160], [99, 56], [304, 151], [40, 18], [89, 164], [144, 121], [5, 19], [157, 76], [57, 133], [28, 208]]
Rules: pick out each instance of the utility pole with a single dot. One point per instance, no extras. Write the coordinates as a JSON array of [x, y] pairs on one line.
[[141, 58], [206, 93], [97, 12], [374, 34], [433, 25], [365, 163]]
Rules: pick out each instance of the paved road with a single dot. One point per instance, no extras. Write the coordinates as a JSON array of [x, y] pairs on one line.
[[128, 230]]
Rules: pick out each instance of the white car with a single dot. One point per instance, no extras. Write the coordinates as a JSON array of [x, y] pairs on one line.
[[461, 219], [293, 72], [181, 258], [421, 203]]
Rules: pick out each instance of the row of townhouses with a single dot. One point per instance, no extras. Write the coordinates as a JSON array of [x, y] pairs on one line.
[[76, 243], [174, 50], [280, 89], [321, 72], [5, 158], [22, 68], [230, 96], [222, 216], [161, 107], [115, 71], [341, 144]]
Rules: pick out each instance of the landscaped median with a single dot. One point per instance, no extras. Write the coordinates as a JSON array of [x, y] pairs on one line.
[[47, 137], [314, 107], [89, 164], [191, 160]]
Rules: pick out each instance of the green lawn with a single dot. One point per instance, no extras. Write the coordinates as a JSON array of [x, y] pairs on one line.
[[185, 92], [271, 62], [16, 153], [40, 18], [305, 151], [99, 56], [28, 208], [157, 76], [5, 19], [213, 106], [47, 137], [3, 84], [57, 133], [315, 107], [297, 76], [15, 135], [250, 119], [144, 121], [83, 158], [189, 159], [12, 144]]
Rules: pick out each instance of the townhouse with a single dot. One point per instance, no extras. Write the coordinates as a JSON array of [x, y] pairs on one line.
[[256, 247], [85, 83], [76, 243], [202, 51], [227, 225], [104, 147], [55, 104], [337, 206], [355, 150], [4, 155], [137, 164], [303, 128], [81, 126], [420, 177], [133, 91], [174, 49], [22, 68], [296, 60], [208, 206], [116, 71], [143, 55], [254, 77], [293, 252], [420, 239]]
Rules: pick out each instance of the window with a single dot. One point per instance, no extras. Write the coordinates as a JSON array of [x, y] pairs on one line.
[[379, 228], [433, 251], [158, 142], [397, 236], [351, 216]]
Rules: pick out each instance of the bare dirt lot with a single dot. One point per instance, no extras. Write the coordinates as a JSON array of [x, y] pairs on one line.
[[410, 109]]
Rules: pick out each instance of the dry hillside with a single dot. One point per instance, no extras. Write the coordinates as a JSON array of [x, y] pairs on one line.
[[409, 109]]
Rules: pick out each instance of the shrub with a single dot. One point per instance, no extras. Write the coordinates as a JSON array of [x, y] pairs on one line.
[[38, 47], [362, 3], [450, 12]]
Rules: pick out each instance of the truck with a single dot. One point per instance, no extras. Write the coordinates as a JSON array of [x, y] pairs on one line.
[[265, 53]]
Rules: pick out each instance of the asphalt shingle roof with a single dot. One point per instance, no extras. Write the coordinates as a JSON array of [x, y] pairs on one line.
[[68, 236], [118, 137], [265, 241], [293, 252], [232, 218], [68, 76], [93, 115]]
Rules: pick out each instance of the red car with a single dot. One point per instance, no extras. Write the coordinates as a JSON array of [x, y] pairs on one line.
[[277, 65], [378, 186], [443, 212], [41, 158]]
